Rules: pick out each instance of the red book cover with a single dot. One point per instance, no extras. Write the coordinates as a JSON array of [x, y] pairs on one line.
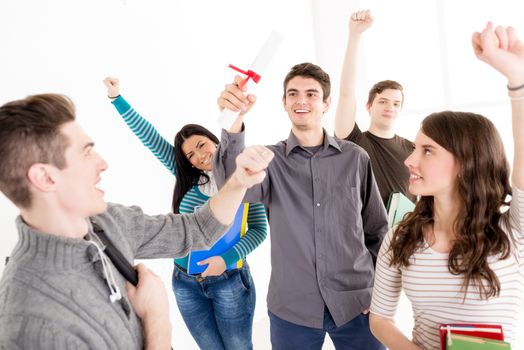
[[489, 331]]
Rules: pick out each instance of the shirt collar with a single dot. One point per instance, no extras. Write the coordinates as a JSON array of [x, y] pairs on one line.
[[292, 142]]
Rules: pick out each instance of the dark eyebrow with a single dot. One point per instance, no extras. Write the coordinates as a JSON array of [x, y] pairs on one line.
[[291, 90], [428, 146], [387, 99], [88, 145]]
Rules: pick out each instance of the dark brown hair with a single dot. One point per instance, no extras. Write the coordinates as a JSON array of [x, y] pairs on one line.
[[29, 134], [187, 176], [483, 187], [310, 70], [381, 86]]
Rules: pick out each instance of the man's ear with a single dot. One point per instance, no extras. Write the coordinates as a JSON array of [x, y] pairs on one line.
[[368, 107], [42, 176], [327, 103]]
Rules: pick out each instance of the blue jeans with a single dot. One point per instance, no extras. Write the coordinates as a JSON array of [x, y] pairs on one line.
[[354, 335], [217, 310]]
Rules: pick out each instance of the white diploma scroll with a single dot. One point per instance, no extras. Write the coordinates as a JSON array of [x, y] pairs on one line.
[[253, 75]]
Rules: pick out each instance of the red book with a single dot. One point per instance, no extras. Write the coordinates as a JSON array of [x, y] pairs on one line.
[[489, 331]]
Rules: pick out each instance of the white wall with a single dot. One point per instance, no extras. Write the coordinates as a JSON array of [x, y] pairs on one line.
[[171, 57]]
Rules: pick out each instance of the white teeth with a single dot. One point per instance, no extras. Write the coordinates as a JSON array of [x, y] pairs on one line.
[[414, 177], [301, 111]]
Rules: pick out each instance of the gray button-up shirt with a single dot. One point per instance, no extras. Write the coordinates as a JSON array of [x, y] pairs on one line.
[[326, 220]]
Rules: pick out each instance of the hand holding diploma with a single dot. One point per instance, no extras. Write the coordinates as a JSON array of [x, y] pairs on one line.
[[230, 112]]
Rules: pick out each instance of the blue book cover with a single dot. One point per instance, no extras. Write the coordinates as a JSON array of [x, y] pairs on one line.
[[229, 239]]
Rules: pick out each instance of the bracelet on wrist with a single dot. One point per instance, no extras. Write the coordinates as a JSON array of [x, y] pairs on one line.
[[113, 97], [515, 88]]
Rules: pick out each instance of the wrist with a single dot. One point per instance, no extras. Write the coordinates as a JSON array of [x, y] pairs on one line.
[[113, 97]]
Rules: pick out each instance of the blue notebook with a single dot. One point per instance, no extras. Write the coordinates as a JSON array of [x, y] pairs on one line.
[[229, 239]]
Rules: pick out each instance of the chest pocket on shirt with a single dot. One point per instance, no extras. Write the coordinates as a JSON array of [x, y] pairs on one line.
[[346, 207]]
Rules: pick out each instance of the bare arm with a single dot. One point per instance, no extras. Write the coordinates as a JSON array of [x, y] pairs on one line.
[[502, 49], [385, 330], [345, 115], [149, 300]]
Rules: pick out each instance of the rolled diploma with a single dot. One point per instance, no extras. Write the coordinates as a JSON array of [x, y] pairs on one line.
[[266, 53]]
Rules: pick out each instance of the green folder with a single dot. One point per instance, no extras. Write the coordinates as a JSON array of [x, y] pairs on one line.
[[398, 206], [465, 342]]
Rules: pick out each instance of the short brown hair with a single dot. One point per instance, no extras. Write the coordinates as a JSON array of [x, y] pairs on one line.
[[384, 85], [29, 134], [310, 70]]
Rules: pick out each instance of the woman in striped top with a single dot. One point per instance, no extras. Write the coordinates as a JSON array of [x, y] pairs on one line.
[[459, 256], [218, 304]]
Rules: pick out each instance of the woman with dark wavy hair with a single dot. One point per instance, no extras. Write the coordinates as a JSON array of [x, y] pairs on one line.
[[459, 256], [218, 304]]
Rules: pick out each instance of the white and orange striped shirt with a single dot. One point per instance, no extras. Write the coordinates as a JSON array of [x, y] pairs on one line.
[[436, 295]]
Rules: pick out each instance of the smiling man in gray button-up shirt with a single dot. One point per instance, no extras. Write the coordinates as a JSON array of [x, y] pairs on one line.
[[326, 217]]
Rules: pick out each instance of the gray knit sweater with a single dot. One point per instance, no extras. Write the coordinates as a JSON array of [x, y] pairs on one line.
[[53, 294]]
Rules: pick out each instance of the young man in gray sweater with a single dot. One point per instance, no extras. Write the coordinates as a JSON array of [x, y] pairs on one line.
[[59, 289]]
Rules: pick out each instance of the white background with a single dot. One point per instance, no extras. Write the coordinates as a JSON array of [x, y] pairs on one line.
[[171, 57]]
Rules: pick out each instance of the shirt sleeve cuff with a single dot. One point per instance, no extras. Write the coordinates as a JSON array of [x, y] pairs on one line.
[[233, 141]]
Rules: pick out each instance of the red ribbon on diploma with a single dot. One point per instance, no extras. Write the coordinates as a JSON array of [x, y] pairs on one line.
[[249, 74]]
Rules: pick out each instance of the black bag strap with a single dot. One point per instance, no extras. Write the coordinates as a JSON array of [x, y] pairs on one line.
[[120, 262]]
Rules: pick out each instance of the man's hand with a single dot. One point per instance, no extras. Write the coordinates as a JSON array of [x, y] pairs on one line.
[[113, 86], [360, 21], [216, 266], [251, 165], [149, 300], [233, 98]]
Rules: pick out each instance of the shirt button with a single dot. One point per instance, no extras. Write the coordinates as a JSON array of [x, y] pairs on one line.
[[318, 204], [317, 179]]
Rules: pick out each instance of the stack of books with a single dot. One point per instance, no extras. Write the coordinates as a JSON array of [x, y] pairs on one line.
[[472, 336]]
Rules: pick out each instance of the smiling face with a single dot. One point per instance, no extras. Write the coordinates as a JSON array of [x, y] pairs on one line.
[[385, 109], [433, 169], [77, 183], [199, 151], [304, 103]]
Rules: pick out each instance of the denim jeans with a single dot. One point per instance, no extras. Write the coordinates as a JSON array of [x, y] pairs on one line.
[[353, 335], [217, 310]]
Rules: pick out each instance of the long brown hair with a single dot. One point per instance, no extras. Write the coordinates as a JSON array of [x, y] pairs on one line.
[[483, 187]]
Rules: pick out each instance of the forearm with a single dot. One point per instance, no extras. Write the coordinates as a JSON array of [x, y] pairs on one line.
[[231, 145], [385, 330], [517, 109], [347, 106], [147, 134], [157, 333], [225, 203]]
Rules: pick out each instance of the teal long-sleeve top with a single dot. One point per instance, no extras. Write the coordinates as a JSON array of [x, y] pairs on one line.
[[163, 150]]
